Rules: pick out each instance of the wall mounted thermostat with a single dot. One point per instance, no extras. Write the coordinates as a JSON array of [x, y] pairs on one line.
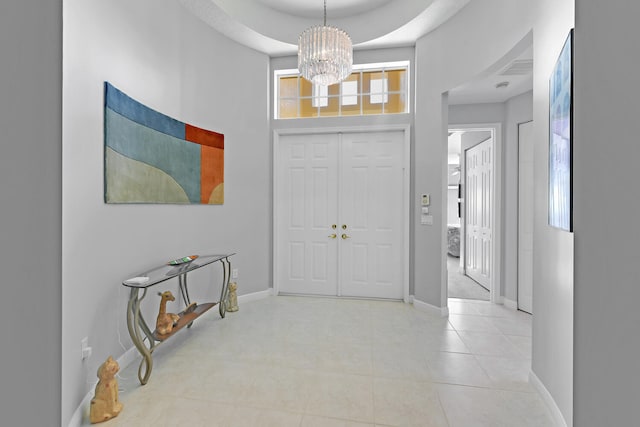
[[426, 200]]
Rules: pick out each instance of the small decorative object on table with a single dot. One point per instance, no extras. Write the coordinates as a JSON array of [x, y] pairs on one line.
[[105, 404], [232, 303], [182, 260], [166, 321]]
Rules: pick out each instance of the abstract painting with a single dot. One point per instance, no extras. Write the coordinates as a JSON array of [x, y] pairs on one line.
[[560, 139], [152, 158]]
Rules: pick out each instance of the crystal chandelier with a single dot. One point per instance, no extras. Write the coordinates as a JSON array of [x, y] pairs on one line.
[[325, 54]]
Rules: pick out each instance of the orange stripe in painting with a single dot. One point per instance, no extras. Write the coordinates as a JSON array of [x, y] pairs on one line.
[[204, 137], [211, 171]]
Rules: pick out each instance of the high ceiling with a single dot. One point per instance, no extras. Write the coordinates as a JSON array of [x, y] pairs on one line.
[[314, 8], [273, 26]]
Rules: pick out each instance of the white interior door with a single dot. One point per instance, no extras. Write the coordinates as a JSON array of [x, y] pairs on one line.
[[353, 181], [479, 205], [371, 215], [525, 217], [307, 188]]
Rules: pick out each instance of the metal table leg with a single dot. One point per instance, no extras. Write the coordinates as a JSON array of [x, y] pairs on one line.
[[137, 326], [182, 283], [226, 275]]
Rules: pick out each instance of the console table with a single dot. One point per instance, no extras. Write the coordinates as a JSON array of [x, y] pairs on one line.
[[145, 340]]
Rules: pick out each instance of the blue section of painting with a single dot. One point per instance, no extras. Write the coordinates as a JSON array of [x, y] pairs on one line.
[[178, 158], [560, 145], [139, 113]]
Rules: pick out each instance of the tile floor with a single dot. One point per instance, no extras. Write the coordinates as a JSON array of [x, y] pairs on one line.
[[461, 286], [320, 362]]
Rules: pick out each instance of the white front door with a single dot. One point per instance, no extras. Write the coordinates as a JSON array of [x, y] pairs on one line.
[[353, 181], [371, 199], [479, 203], [307, 208], [525, 217]]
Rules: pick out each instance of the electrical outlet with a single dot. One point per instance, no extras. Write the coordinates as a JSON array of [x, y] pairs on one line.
[[84, 346], [234, 273]]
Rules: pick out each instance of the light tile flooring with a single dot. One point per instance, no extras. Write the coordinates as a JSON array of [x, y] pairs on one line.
[[319, 362], [461, 286]]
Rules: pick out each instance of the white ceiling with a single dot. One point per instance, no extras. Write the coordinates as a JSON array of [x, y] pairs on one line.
[[315, 8], [273, 27]]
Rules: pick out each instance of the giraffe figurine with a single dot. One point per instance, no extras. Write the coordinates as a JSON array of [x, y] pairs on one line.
[[166, 321]]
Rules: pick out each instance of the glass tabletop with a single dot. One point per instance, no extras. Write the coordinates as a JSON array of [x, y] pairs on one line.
[[166, 271]]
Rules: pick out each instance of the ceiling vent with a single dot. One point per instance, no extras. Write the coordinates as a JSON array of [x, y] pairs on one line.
[[519, 67]]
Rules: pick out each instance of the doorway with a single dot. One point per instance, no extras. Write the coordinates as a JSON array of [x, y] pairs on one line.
[[341, 213], [473, 269]]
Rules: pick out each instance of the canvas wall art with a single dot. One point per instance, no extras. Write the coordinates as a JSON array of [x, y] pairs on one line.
[[560, 139], [152, 158]]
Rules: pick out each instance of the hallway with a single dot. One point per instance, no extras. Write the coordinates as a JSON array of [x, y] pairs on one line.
[[297, 361]]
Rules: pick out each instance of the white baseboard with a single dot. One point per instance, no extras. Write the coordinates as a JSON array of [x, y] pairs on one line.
[[255, 296], [513, 305], [558, 418], [125, 360], [423, 306], [76, 418]]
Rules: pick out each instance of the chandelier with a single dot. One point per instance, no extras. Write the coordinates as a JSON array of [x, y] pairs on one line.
[[325, 54]]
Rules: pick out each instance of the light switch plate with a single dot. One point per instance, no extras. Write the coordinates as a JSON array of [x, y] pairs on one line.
[[426, 219]]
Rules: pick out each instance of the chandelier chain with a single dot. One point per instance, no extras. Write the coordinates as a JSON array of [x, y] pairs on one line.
[[325, 13]]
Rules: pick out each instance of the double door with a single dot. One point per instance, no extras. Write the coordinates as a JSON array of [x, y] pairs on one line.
[[340, 214]]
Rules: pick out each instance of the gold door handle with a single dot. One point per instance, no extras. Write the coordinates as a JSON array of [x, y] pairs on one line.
[[333, 236], [344, 226], [334, 226], [345, 237]]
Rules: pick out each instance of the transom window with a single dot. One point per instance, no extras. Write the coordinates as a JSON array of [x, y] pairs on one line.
[[370, 89]]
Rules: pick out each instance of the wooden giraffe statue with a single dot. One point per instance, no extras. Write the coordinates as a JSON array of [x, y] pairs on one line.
[[166, 321]]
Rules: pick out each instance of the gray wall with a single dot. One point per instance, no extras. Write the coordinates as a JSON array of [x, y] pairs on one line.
[[462, 114], [30, 190], [158, 53], [606, 208], [553, 302]]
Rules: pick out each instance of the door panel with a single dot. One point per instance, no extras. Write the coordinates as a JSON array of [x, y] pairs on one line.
[[479, 178], [307, 176], [371, 200]]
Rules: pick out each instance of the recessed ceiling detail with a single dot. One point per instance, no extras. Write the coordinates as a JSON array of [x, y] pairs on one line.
[[313, 9], [273, 26]]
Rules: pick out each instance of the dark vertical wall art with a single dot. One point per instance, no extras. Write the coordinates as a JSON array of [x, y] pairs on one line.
[[152, 158], [560, 139]]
